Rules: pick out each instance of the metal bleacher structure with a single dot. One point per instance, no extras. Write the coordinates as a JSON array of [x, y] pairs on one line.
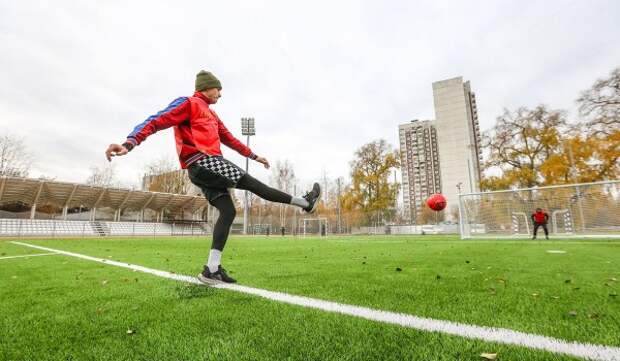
[[107, 210]]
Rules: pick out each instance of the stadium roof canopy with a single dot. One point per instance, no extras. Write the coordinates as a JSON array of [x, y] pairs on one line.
[[69, 195]]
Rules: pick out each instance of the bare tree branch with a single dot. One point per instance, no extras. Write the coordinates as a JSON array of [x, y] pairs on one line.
[[600, 105], [102, 176], [15, 159]]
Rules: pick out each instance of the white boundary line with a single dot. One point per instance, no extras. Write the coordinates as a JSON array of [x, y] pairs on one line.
[[30, 255], [488, 334]]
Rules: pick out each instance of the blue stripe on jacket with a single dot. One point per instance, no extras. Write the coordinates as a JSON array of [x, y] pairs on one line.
[[169, 108]]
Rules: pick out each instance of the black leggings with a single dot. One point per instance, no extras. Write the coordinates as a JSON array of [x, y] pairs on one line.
[[225, 206], [544, 227]]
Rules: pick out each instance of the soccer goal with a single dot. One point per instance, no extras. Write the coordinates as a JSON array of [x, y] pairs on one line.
[[261, 228], [575, 210], [314, 226]]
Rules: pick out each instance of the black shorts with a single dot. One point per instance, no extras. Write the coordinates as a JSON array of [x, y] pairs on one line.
[[214, 175]]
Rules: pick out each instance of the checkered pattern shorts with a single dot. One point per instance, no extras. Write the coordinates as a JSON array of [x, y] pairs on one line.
[[221, 166]]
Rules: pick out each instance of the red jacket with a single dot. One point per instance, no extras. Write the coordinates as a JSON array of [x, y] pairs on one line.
[[197, 130], [540, 217]]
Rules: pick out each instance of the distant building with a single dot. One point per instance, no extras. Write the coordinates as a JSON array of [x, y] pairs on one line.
[[458, 134], [439, 155], [420, 165]]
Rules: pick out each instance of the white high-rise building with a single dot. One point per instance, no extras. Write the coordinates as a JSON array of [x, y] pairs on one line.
[[419, 166], [458, 134]]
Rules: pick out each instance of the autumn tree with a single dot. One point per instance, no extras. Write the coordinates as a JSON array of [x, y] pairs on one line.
[[15, 159], [163, 175], [583, 157], [520, 143], [538, 147], [370, 190]]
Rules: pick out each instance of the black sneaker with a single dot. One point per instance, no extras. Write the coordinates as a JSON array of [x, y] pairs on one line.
[[313, 198], [220, 275]]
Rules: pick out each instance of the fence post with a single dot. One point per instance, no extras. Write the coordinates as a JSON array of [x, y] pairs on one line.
[[461, 217]]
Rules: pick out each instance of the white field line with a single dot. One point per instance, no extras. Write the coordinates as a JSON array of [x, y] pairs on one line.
[[489, 334], [30, 255]]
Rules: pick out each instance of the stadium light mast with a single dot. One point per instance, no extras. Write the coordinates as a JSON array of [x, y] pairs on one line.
[[248, 129]]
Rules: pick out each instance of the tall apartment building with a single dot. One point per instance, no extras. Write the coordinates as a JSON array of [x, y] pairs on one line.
[[458, 134], [437, 156], [420, 165]]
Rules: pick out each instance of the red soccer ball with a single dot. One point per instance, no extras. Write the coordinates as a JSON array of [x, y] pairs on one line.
[[437, 202]]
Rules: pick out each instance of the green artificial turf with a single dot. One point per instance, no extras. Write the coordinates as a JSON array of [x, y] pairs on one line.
[[64, 308]]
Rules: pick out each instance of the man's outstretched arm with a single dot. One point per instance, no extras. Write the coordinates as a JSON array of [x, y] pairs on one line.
[[177, 112]]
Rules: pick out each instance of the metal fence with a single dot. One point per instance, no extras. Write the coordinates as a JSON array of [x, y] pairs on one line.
[[57, 228]]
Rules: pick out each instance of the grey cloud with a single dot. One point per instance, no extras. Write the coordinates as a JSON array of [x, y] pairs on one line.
[[77, 76]]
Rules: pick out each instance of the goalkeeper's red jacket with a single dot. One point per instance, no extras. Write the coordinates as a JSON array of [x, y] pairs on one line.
[[197, 129], [540, 217]]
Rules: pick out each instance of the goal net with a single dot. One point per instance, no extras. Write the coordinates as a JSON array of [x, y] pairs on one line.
[[575, 210], [314, 226]]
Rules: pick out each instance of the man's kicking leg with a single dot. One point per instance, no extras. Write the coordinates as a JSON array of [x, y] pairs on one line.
[[308, 202], [213, 270], [214, 175]]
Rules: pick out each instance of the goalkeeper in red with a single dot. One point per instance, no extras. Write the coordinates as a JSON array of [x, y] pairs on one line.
[[199, 132], [540, 219]]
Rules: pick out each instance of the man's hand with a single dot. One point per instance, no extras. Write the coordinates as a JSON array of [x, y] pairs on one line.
[[115, 150], [263, 160]]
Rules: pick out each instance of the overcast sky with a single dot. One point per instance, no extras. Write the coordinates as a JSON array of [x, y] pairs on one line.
[[321, 78]]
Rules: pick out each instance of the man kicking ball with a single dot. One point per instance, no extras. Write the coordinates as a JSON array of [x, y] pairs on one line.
[[199, 132]]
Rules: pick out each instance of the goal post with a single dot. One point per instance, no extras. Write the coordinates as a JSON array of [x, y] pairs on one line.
[[575, 210], [314, 226]]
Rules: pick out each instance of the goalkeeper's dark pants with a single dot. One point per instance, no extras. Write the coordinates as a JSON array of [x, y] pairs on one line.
[[544, 227], [214, 176]]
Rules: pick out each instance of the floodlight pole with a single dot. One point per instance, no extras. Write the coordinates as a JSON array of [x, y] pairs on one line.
[[247, 129], [245, 193]]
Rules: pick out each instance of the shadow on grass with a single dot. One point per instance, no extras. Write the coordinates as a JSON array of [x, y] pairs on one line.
[[189, 291]]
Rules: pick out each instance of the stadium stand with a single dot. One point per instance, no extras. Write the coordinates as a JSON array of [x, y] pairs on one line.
[[110, 202]]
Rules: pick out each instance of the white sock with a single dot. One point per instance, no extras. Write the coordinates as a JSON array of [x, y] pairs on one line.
[[300, 202], [214, 260]]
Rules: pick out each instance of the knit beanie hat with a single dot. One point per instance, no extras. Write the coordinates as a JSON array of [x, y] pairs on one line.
[[206, 80]]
